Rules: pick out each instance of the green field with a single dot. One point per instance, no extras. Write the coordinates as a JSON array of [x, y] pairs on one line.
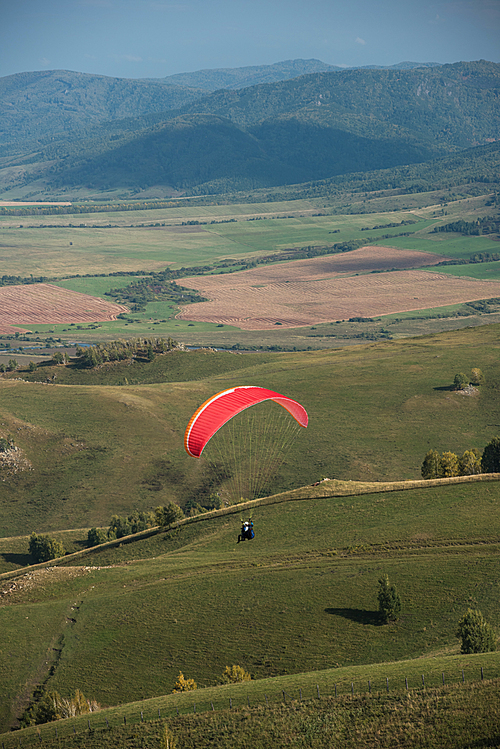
[[301, 597], [151, 240], [297, 606]]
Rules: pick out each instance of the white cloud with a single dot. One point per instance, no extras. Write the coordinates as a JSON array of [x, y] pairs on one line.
[[358, 40], [44, 62]]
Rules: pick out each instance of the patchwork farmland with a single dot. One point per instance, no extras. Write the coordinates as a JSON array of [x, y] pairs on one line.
[[34, 304], [325, 289]]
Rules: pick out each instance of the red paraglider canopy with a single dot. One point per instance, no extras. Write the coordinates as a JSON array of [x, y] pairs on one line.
[[220, 408]]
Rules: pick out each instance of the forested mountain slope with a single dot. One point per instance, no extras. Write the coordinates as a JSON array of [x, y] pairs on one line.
[[309, 128]]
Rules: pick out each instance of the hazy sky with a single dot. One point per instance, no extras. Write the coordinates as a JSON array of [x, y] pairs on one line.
[[155, 38]]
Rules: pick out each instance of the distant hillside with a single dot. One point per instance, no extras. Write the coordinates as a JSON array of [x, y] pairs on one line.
[[313, 127], [236, 78], [55, 102]]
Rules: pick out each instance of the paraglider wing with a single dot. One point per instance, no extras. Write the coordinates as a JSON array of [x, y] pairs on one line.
[[220, 408]]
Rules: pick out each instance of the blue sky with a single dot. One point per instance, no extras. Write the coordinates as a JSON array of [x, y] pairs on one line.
[[156, 38]]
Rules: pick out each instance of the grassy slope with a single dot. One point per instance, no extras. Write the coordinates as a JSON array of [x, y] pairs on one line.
[[301, 597], [374, 412]]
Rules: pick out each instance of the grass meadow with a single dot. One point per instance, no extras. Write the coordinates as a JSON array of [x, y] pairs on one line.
[[121, 622], [297, 606], [98, 446]]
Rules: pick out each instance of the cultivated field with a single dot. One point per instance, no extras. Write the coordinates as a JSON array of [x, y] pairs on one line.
[[325, 289], [28, 305]]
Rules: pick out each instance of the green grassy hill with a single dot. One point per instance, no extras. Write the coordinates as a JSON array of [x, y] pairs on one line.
[[121, 622], [92, 450]]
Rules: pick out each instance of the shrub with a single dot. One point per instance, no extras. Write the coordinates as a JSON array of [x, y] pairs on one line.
[[168, 514], [449, 465], [96, 536], [184, 685], [235, 675], [431, 467], [6, 444], [77, 705], [477, 377], [461, 381], [470, 463], [389, 602], [43, 548], [490, 460], [476, 634]]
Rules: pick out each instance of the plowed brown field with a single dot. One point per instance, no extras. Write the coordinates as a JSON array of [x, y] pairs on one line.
[[27, 305], [320, 290]]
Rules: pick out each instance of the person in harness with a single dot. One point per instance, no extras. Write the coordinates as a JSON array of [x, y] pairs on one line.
[[247, 531]]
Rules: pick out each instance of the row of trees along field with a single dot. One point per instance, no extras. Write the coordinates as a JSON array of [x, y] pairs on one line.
[[448, 464], [143, 348]]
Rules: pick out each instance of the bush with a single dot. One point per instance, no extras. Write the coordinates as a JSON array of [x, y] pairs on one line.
[[490, 460], [133, 523], [6, 444], [235, 675], [168, 514], [449, 465], [431, 467], [476, 634], [389, 602], [470, 463], [461, 381], [43, 548], [184, 685], [477, 377], [96, 536]]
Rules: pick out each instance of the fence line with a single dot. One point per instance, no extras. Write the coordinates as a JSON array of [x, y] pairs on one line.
[[49, 731]]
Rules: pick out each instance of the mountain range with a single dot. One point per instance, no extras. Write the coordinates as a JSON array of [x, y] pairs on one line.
[[214, 131]]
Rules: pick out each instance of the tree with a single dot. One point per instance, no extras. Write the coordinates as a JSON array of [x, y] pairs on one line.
[[449, 465], [184, 685], [461, 381], [490, 460], [168, 514], [477, 377], [476, 634], [431, 467], [58, 358], [96, 536], [43, 548], [470, 463], [12, 365], [235, 675], [32, 366], [389, 602]]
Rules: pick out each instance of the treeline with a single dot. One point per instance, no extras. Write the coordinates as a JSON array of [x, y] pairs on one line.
[[63, 210], [163, 516], [486, 225], [19, 280], [471, 463], [143, 348]]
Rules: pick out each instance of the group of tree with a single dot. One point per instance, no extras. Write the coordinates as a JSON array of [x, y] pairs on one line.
[[137, 521], [486, 225], [49, 705], [476, 634], [462, 381], [232, 675], [44, 548], [448, 464], [10, 367], [135, 348]]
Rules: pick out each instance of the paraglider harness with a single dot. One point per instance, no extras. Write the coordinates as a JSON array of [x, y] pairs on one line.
[[247, 532]]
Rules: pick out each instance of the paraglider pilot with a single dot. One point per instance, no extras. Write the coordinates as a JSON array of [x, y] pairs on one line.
[[247, 531]]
